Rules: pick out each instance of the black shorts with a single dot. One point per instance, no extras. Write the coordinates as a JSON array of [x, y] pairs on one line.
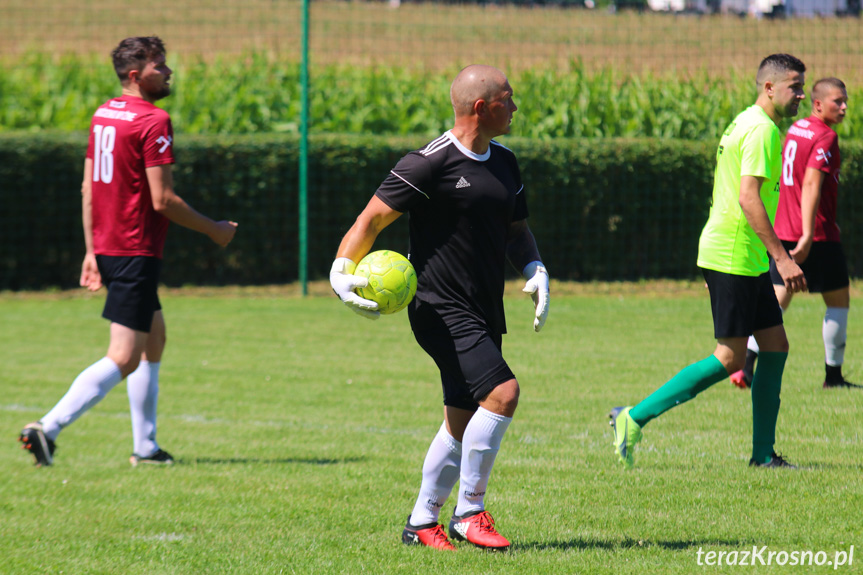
[[741, 305], [471, 366], [132, 282], [825, 268]]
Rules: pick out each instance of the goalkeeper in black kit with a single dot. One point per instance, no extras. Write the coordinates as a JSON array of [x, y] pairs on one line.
[[468, 217]]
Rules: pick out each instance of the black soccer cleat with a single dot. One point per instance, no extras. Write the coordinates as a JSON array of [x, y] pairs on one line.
[[161, 457], [841, 384], [776, 460], [35, 441]]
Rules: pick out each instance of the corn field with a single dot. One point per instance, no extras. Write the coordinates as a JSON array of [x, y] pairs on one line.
[[257, 92], [384, 67]]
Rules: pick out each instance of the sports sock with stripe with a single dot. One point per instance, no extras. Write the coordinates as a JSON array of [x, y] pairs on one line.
[[440, 473], [480, 445]]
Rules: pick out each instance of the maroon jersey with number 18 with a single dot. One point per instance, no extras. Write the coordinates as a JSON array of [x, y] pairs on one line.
[[127, 136], [810, 143]]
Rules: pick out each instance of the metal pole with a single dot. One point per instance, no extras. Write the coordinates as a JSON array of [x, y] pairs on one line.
[[303, 246]]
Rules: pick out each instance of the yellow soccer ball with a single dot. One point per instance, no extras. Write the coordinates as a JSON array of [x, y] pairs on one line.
[[392, 280]]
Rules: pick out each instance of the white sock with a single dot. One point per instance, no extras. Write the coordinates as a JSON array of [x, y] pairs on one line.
[[87, 390], [834, 330], [440, 473], [143, 389], [752, 345], [480, 445]]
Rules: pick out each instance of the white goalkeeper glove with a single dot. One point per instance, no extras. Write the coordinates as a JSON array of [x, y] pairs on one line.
[[344, 283], [537, 287]]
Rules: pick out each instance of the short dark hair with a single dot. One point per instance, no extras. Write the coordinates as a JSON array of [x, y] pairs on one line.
[[776, 64], [819, 86], [134, 53]]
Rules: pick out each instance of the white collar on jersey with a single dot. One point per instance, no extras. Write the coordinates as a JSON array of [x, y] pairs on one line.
[[472, 155]]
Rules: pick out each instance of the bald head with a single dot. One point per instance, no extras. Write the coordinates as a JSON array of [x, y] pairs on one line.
[[476, 82]]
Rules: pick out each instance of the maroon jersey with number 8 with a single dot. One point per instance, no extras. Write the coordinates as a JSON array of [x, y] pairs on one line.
[[810, 143]]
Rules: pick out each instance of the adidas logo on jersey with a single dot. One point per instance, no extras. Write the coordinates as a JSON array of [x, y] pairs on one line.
[[462, 183]]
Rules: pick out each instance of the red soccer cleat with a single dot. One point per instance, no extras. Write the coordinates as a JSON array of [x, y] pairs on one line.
[[739, 379], [431, 535], [477, 528]]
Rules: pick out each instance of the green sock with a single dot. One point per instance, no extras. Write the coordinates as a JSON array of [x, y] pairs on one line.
[[766, 385], [689, 382]]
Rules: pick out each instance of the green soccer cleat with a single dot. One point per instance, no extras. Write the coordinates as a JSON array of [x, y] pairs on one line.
[[626, 434]]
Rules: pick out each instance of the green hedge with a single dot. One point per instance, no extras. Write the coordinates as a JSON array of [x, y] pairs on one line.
[[600, 209]]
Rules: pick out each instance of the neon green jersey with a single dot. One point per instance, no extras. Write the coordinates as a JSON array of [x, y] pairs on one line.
[[751, 146]]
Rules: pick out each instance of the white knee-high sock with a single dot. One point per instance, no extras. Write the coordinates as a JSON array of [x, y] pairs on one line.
[[480, 445], [143, 388], [751, 344], [834, 330], [440, 473], [87, 390]]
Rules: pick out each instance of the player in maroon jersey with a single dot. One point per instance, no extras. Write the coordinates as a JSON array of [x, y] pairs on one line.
[[806, 223], [128, 200]]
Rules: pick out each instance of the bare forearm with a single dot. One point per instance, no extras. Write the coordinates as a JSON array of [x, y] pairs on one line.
[[358, 241], [756, 216], [361, 237], [172, 206], [87, 205], [87, 221], [809, 198], [178, 211]]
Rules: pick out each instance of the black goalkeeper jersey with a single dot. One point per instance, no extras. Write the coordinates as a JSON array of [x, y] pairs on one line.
[[460, 206]]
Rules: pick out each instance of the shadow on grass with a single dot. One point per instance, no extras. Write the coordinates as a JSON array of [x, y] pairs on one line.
[[629, 544], [831, 466], [259, 461]]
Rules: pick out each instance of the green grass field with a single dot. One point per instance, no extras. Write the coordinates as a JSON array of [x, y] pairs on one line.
[[300, 430]]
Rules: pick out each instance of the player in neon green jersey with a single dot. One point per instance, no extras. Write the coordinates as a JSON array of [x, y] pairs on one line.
[[732, 254]]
